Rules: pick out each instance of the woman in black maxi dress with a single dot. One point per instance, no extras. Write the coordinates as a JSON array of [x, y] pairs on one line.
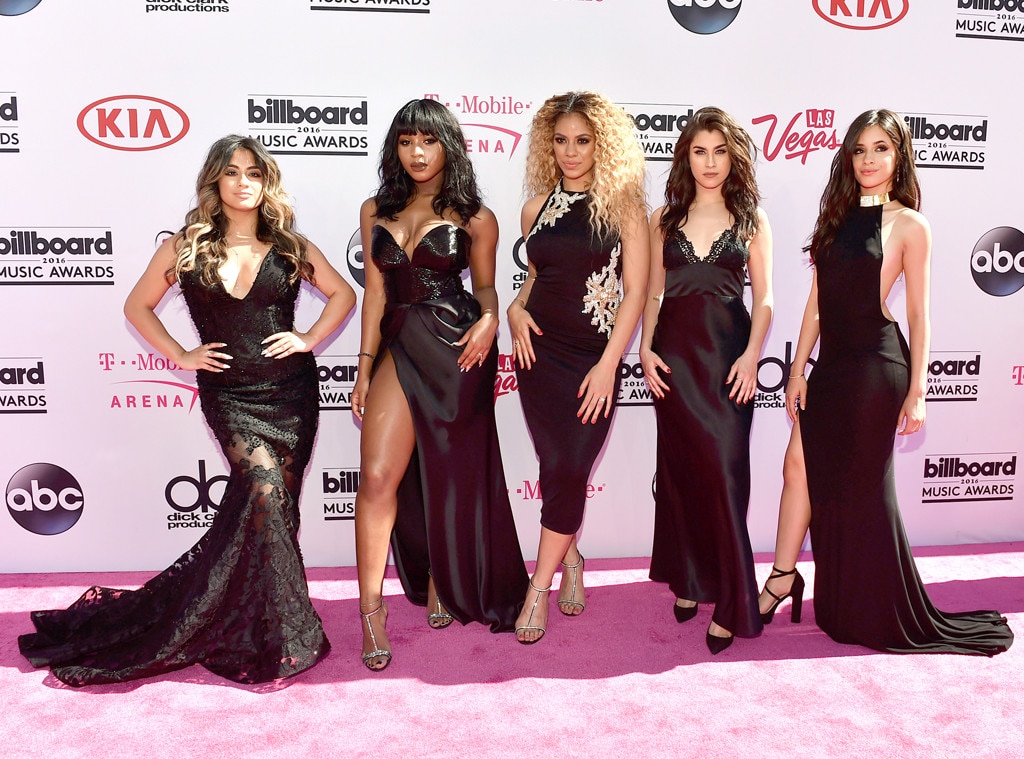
[[585, 229], [237, 601], [700, 350], [867, 384], [431, 474]]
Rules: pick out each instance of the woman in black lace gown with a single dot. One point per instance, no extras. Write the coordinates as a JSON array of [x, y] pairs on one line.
[[586, 231], [431, 477], [699, 351], [867, 386], [237, 601]]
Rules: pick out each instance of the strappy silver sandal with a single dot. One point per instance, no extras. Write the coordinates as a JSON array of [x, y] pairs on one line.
[[377, 652], [529, 622], [571, 601]]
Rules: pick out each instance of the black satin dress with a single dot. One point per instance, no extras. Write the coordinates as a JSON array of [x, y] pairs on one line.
[[701, 545], [454, 518], [573, 300], [866, 586], [237, 601]]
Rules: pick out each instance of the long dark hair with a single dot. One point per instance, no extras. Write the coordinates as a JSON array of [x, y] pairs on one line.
[[842, 191], [740, 187], [458, 190], [202, 243]]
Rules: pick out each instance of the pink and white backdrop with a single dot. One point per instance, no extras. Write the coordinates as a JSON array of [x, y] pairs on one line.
[[106, 110]]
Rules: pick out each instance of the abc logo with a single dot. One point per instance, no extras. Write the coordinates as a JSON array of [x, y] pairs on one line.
[[186, 494], [997, 262], [704, 16], [355, 259], [16, 8], [44, 499], [519, 254]]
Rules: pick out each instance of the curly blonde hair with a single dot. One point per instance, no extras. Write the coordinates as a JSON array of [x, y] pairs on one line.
[[617, 193], [201, 244]]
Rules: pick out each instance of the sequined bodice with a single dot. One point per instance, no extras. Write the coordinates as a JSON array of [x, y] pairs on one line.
[[721, 272], [433, 270], [576, 293], [243, 323]]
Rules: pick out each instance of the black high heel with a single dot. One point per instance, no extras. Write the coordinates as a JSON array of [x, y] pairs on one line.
[[796, 592], [717, 644], [684, 613]]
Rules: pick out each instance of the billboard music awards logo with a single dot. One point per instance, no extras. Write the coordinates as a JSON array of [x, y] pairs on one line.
[[658, 126], [22, 385], [159, 388], [806, 132], [862, 15], [45, 499], [193, 500], [953, 376], [187, 6], [477, 113], [948, 141], [10, 139], [330, 125], [704, 16], [378, 6], [964, 477], [997, 261], [336, 376], [339, 487], [56, 256], [17, 7], [133, 123], [990, 20]]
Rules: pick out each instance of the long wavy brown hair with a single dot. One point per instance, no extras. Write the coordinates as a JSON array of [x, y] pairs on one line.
[[842, 192], [740, 187], [617, 193], [201, 243]]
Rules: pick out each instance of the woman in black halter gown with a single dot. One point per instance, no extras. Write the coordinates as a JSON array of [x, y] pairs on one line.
[[237, 601], [867, 385], [431, 476]]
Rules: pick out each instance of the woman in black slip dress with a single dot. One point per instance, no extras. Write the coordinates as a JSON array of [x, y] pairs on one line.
[[867, 386], [586, 231], [236, 602], [431, 478], [700, 349]]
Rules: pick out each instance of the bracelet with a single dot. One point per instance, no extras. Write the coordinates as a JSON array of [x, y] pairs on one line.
[[370, 356], [797, 376], [487, 311]]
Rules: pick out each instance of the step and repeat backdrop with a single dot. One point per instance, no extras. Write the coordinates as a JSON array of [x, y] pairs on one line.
[[107, 109]]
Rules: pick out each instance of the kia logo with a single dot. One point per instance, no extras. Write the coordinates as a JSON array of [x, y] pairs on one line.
[[133, 122], [862, 15]]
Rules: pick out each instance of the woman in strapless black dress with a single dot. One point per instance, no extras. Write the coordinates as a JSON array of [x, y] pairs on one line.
[[587, 244], [237, 601], [699, 351], [867, 385], [431, 477]]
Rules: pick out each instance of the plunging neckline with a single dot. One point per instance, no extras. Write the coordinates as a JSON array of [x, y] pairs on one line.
[[409, 255], [259, 270], [710, 256]]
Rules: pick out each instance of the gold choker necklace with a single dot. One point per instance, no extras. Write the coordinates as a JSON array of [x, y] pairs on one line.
[[874, 200]]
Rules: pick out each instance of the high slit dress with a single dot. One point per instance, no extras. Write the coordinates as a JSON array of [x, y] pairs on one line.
[[454, 520]]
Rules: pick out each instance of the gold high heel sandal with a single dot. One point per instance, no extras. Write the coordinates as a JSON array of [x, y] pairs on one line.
[[377, 652], [529, 622]]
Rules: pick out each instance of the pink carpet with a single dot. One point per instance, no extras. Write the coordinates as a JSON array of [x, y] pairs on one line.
[[622, 679]]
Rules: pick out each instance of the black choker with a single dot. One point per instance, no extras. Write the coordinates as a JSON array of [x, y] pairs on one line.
[[874, 200]]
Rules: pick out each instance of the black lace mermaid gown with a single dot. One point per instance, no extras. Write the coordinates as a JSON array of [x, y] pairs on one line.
[[866, 586], [237, 601], [454, 518], [701, 544], [573, 300]]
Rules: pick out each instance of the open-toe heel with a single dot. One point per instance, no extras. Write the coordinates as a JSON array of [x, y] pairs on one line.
[[796, 592], [439, 618], [570, 607], [378, 658], [529, 622]]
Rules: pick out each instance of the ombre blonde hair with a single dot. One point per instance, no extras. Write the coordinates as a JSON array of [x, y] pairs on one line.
[[201, 244], [617, 194]]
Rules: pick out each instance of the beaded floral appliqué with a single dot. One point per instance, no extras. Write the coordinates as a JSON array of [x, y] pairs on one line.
[[557, 207], [603, 294]]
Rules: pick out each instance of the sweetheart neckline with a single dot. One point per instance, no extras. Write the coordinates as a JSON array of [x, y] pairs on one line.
[[409, 256]]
